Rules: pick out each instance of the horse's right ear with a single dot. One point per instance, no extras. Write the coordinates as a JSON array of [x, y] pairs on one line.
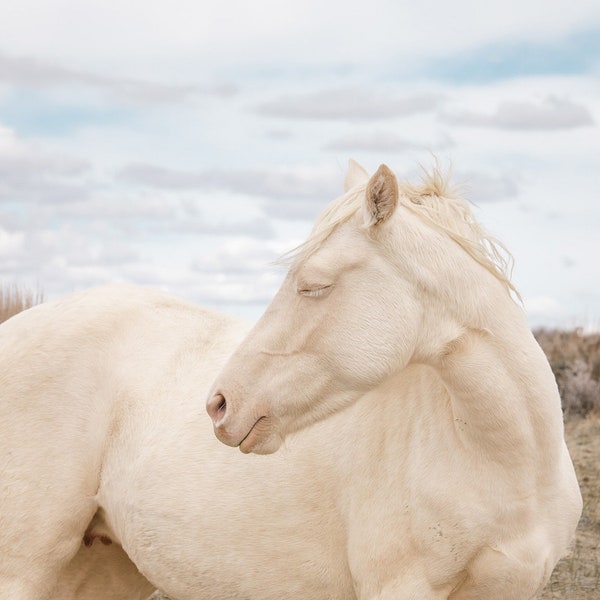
[[381, 196], [355, 175]]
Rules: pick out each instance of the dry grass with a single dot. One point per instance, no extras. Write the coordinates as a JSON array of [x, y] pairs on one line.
[[577, 576], [14, 299]]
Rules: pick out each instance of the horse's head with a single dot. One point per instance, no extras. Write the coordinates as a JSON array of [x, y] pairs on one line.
[[357, 306]]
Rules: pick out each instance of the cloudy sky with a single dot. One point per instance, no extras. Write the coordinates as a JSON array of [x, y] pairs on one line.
[[187, 144]]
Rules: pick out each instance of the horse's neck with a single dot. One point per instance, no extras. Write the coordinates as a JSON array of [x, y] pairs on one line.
[[502, 393], [492, 394], [491, 400]]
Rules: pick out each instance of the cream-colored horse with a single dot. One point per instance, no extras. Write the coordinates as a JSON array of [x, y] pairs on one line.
[[440, 470], [446, 461]]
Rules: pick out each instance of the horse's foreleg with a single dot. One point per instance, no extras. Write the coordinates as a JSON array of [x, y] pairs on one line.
[[38, 538], [35, 548]]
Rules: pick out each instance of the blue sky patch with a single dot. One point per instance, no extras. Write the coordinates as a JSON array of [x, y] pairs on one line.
[[579, 53], [33, 113]]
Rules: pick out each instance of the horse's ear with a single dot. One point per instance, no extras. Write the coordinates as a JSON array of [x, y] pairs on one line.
[[381, 196], [355, 175]]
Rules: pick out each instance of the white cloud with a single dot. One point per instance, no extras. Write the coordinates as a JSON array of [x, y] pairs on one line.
[[552, 113], [240, 256], [175, 36], [217, 288], [288, 192], [543, 309], [11, 243], [120, 207], [240, 289], [486, 187], [351, 103], [20, 159], [63, 259], [31, 174], [30, 72], [385, 142]]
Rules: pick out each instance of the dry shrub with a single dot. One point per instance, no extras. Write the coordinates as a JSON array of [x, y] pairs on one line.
[[575, 360], [14, 299]]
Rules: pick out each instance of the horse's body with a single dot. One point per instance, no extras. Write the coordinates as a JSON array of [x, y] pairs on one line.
[[104, 435], [413, 488]]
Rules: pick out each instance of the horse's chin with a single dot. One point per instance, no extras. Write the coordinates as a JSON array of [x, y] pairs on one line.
[[261, 439]]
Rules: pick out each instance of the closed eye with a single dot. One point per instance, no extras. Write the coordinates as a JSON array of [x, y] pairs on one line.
[[314, 291]]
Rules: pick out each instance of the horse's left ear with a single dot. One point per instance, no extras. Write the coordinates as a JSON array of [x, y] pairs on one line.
[[355, 175], [382, 196]]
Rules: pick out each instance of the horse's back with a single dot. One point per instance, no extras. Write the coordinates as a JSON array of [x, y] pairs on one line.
[[63, 364], [62, 357]]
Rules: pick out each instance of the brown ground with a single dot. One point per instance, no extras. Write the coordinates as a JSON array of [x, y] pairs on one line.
[[577, 576]]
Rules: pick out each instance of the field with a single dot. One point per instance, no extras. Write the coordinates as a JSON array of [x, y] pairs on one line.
[[577, 576], [575, 361]]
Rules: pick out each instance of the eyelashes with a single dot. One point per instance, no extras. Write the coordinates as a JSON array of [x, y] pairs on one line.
[[314, 291]]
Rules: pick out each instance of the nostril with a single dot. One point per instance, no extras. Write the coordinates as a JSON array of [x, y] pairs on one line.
[[217, 407]]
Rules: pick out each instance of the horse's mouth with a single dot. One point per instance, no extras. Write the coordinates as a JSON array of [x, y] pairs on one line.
[[253, 437]]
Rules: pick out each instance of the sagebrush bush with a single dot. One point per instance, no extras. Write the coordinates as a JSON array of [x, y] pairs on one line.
[[581, 392], [575, 360]]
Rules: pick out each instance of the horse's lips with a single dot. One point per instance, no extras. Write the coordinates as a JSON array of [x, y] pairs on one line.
[[249, 441]]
